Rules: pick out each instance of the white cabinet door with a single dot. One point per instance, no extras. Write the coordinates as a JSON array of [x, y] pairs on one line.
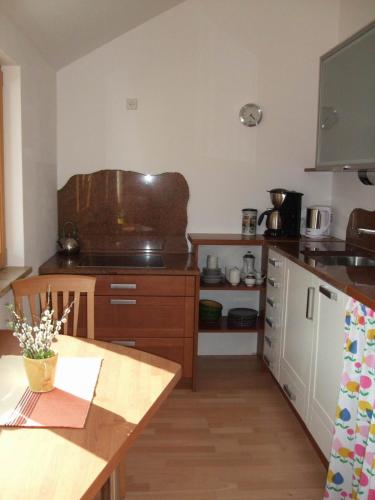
[[298, 335], [327, 363]]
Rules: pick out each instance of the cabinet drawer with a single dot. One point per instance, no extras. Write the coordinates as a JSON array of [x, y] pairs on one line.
[[274, 304], [145, 285], [273, 318], [178, 350], [272, 346], [275, 265], [275, 289], [293, 390], [268, 355], [119, 317]]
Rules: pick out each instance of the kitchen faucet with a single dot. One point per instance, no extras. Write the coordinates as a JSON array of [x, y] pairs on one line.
[[364, 230]]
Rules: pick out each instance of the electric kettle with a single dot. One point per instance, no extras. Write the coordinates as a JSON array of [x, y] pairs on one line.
[[318, 221]]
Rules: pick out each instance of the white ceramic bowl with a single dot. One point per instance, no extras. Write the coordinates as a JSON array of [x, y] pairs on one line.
[[250, 281]]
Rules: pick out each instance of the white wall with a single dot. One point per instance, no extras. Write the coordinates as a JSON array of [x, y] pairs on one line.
[[14, 223], [347, 191], [38, 201], [192, 68], [38, 115]]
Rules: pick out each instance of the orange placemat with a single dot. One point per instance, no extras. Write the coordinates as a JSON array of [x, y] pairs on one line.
[[67, 405]]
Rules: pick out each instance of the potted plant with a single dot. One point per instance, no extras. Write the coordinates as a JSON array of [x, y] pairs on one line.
[[39, 358]]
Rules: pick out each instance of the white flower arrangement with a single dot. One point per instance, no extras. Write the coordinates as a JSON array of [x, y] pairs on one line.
[[35, 341]]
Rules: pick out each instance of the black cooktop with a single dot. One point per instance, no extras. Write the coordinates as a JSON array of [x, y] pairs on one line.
[[128, 261]]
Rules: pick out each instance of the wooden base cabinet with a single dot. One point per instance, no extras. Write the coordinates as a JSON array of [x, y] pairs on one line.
[[151, 313]]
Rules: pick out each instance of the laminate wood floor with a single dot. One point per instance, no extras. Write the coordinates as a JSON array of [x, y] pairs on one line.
[[235, 438]]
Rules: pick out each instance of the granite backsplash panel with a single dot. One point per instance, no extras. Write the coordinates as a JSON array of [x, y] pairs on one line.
[[122, 211], [360, 218]]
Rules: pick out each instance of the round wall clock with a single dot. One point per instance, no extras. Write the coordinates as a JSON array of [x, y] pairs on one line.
[[250, 115]]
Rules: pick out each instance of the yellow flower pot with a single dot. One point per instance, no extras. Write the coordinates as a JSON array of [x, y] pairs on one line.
[[41, 373]]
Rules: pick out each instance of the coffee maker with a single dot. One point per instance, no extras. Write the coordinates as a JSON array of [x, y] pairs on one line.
[[284, 219]]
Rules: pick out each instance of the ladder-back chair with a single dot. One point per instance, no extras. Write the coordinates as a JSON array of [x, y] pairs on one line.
[[40, 289]]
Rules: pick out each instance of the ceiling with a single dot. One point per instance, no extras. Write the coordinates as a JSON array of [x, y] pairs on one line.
[[64, 30]]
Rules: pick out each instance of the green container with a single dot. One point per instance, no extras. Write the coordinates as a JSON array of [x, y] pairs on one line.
[[209, 310]]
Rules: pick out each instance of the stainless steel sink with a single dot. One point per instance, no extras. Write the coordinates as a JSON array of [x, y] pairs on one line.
[[345, 260]]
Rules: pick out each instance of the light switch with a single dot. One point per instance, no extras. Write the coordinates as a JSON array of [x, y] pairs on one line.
[[131, 103]]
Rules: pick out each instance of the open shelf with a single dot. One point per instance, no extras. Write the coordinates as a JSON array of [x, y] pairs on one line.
[[222, 327], [340, 168], [225, 285]]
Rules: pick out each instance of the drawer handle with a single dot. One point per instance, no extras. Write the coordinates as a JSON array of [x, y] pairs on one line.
[[269, 322], [274, 262], [268, 362], [271, 302], [127, 343], [273, 283], [125, 302], [289, 393], [310, 303], [328, 293], [126, 286], [268, 340]]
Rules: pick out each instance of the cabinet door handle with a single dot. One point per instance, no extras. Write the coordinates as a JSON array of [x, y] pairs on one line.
[[126, 286], [127, 343], [273, 283], [269, 322], [267, 361], [126, 302], [271, 302], [310, 303], [268, 340], [274, 262], [328, 293], [289, 393]]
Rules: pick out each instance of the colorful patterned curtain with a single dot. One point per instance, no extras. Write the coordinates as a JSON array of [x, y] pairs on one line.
[[351, 473]]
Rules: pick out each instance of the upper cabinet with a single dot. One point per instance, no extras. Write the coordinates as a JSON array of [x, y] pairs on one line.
[[346, 122]]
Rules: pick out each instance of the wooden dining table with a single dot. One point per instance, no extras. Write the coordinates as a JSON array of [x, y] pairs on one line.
[[65, 463]]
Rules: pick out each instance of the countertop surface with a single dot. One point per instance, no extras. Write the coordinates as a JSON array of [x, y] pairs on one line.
[[174, 264], [358, 283]]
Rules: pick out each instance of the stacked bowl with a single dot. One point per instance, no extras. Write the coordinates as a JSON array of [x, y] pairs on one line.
[[212, 276]]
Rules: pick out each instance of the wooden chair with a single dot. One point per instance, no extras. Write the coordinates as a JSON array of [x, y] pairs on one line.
[[65, 286]]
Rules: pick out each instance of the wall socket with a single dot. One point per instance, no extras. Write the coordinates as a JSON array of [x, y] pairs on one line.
[[131, 103]]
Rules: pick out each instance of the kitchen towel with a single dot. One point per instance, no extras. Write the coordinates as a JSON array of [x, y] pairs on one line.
[[351, 472], [67, 405]]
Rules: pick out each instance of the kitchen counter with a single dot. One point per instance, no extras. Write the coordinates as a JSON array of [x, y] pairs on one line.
[[175, 264], [245, 240], [358, 283]]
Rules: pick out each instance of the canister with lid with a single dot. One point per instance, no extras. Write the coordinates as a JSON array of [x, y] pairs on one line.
[[249, 221]]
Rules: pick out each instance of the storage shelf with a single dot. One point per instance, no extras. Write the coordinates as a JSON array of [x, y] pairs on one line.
[[226, 239], [222, 327], [339, 168], [241, 287]]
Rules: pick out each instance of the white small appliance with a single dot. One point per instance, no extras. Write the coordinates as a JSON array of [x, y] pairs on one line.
[[318, 221]]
